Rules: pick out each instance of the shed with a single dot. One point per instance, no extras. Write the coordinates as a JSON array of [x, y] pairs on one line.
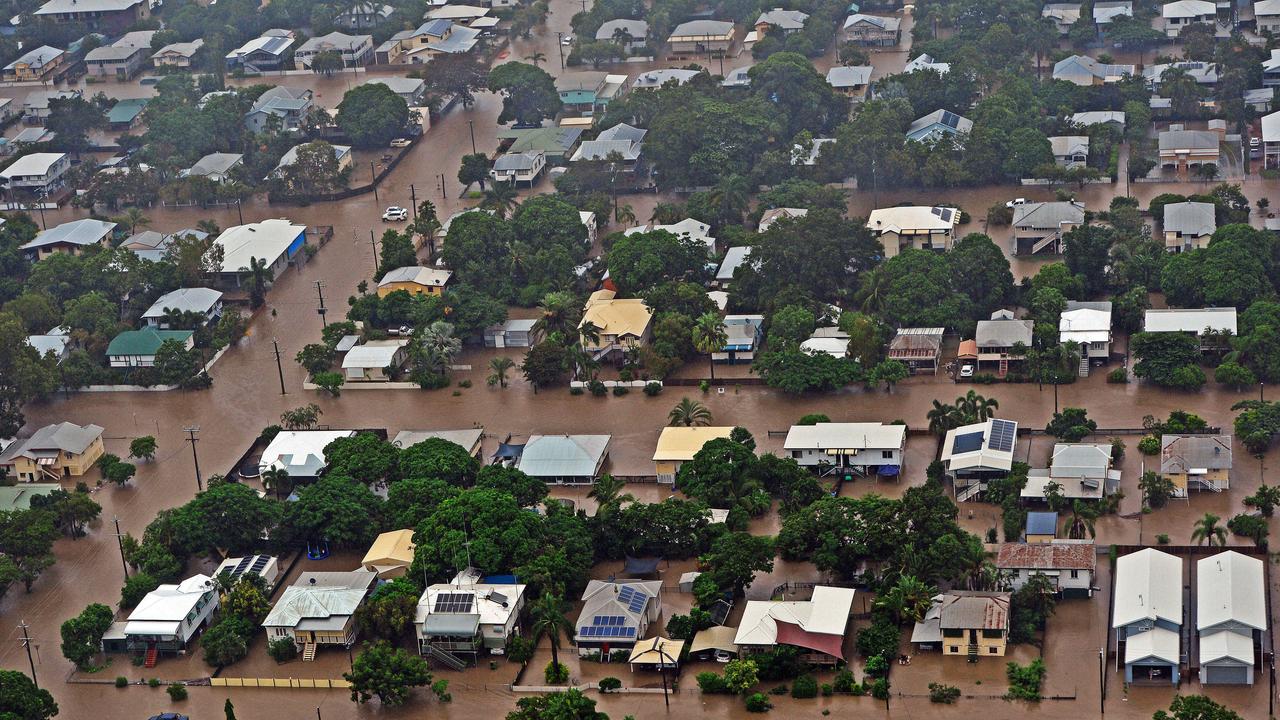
[[390, 555]]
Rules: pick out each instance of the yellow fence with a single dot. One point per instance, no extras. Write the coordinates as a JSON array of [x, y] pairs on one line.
[[295, 683]]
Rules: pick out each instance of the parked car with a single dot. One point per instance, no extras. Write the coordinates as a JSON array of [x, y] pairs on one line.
[[169, 716], [400, 143], [1016, 202], [723, 656], [395, 214], [566, 40], [966, 371]]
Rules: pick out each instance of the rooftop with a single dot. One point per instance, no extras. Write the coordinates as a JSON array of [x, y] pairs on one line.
[[1047, 556], [199, 300], [77, 232]]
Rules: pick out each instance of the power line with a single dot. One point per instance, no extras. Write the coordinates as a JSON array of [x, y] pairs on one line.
[[191, 438], [120, 541]]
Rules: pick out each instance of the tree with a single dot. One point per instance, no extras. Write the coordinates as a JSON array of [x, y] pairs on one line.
[[439, 459], [364, 457], [397, 252], [567, 705], [459, 74], [988, 280], [736, 557], [1234, 375], [316, 358], [337, 509], [1195, 707], [372, 115], [689, 413], [314, 171], [1166, 358], [71, 120], [794, 371], [709, 337], [301, 418], [386, 672], [545, 364], [330, 382], [82, 634], [474, 169], [790, 326], [1265, 499], [1207, 530], [498, 369], [226, 642], [642, 261], [500, 198], [327, 62], [134, 218], [889, 372], [549, 620], [257, 277], [527, 491], [175, 364], [528, 93], [1071, 425], [143, 448], [20, 699], [119, 472], [740, 676], [1157, 489], [536, 58], [1251, 526], [907, 600], [1087, 250], [389, 612]]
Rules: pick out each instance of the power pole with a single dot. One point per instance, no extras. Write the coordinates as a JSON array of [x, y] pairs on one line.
[[120, 541], [238, 211], [321, 310], [191, 438], [374, 243], [560, 47], [471, 125], [443, 194], [413, 201], [373, 179], [26, 642], [279, 368]]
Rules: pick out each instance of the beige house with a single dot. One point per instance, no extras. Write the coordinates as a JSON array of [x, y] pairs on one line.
[[178, 54], [919, 227], [375, 361], [996, 337], [319, 609], [38, 64], [54, 452], [620, 323], [677, 445], [1196, 462], [1184, 149], [962, 622], [1188, 225], [390, 555], [414, 279], [701, 37]]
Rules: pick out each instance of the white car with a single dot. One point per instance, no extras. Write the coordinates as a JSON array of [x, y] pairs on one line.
[[723, 656], [395, 214], [400, 143], [566, 40], [1016, 202], [966, 371]]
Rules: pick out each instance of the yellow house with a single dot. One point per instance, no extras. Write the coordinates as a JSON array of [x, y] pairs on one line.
[[620, 323], [963, 622], [416, 280], [1196, 462], [677, 445], [54, 452]]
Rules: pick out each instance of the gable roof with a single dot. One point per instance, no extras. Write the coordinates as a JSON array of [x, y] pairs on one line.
[[319, 597], [38, 57], [300, 452], [1193, 320], [912, 217], [825, 613], [374, 354], [144, 342], [702, 29], [77, 7], [1042, 523], [924, 61], [658, 78], [164, 609], [1225, 645], [1048, 215], [734, 257], [77, 232], [527, 160], [785, 19], [1190, 218], [1098, 117], [563, 455], [1159, 643], [390, 553], [849, 76], [214, 164], [1065, 145], [841, 437], [1189, 140], [269, 44], [637, 29], [184, 299], [1230, 589], [984, 445], [1148, 586], [944, 120], [625, 601], [682, 443], [64, 437], [1187, 9], [616, 316], [335, 40], [182, 49], [1188, 453], [1003, 333], [888, 24], [973, 610], [417, 274]]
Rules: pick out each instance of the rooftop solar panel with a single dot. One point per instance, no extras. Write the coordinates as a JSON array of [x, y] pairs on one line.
[[1003, 435], [950, 119], [968, 442], [454, 602]]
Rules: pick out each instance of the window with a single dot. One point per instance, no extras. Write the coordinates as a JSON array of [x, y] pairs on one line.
[[796, 454], [1075, 574], [953, 633], [886, 454], [993, 634], [992, 650], [955, 648]]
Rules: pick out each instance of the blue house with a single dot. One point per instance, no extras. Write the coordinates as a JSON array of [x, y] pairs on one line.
[[1147, 616]]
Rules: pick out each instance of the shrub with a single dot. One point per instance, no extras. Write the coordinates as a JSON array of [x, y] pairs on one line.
[[620, 390], [879, 638], [827, 690], [153, 682], [555, 673], [877, 666], [1025, 682], [1119, 375], [778, 690], [984, 379], [1149, 445], [122, 681], [520, 649], [609, 684], [653, 389], [282, 650], [880, 689], [597, 388], [813, 419], [575, 391], [945, 694], [464, 383], [758, 703], [1162, 539], [711, 683], [843, 682], [704, 386], [804, 687], [177, 692]]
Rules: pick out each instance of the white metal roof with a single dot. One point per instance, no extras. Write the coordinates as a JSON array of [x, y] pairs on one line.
[[734, 257], [916, 217], [1158, 642], [984, 455], [826, 612], [1190, 320], [378, 354], [1225, 644], [77, 232], [185, 300], [1230, 589], [1148, 586], [33, 165], [331, 595], [266, 240], [493, 603], [564, 455], [163, 609], [846, 436], [429, 277], [1085, 325], [300, 452]]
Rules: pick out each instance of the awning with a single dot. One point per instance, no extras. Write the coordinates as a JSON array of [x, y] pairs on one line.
[[714, 638], [657, 651], [640, 566], [791, 634], [888, 471], [451, 624]]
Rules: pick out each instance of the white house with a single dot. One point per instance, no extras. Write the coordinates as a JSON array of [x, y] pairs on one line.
[[374, 361], [865, 448], [1080, 470], [1231, 617], [467, 617], [1184, 13], [266, 567], [1188, 225], [204, 301], [975, 454], [215, 166], [1266, 13], [38, 174], [564, 459], [616, 614], [521, 167], [634, 33], [319, 609], [273, 242], [817, 625], [1147, 615], [1193, 321], [1089, 325], [299, 452], [356, 50], [1068, 564], [1070, 151], [169, 616], [919, 227]]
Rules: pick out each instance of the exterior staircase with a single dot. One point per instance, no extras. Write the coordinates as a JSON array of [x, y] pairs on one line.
[[153, 654], [446, 658], [1045, 243], [1084, 365], [1004, 367], [968, 493], [973, 653], [309, 652]]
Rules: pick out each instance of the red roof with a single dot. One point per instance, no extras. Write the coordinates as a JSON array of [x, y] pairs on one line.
[[1047, 556], [790, 634]]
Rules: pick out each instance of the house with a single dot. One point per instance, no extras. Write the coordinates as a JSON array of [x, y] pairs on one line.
[[363, 16], [1260, 100], [299, 452], [634, 34], [738, 77], [1185, 13], [701, 37], [154, 246], [827, 341], [850, 81], [1042, 527], [623, 139], [513, 333], [70, 237], [1080, 470], [1147, 615], [273, 242], [564, 459], [678, 445], [411, 90], [167, 618], [1196, 462], [935, 125], [53, 452], [557, 143], [55, 341], [621, 323], [19, 497], [1266, 14], [138, 348], [1087, 324], [374, 361], [35, 65], [29, 136], [1113, 118], [35, 106], [434, 38], [1038, 227], [807, 154], [469, 439], [216, 167], [7, 109], [1085, 71], [356, 50], [919, 349], [615, 614], [1185, 149], [658, 78], [416, 280], [1105, 12], [1070, 151], [975, 454], [126, 114], [863, 448], [105, 16], [996, 339], [917, 226], [521, 167], [116, 61], [965, 622], [734, 258], [872, 30], [319, 609], [1202, 72], [1213, 326], [689, 229], [37, 175], [390, 555], [743, 336], [817, 625], [1188, 225], [287, 106], [785, 22], [204, 301], [181, 55], [266, 567], [1063, 15], [465, 617], [924, 61], [264, 53], [773, 215], [1271, 138], [341, 153], [465, 13], [1271, 69], [1231, 617]]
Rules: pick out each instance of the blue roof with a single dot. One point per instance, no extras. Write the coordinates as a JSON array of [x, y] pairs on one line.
[[1042, 523]]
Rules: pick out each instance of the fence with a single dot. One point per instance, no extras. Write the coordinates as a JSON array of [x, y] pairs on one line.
[[290, 683]]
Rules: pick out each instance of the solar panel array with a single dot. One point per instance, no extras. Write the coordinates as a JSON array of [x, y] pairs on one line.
[[633, 599], [1003, 435], [454, 602], [967, 442], [950, 119], [607, 626], [259, 563]]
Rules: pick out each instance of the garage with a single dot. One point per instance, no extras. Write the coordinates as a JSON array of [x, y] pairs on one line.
[[1226, 675]]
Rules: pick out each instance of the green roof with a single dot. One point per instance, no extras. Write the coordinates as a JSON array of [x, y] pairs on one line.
[[18, 497], [126, 110], [145, 341]]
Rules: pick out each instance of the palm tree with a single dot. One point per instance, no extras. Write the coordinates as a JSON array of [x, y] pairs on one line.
[[499, 367], [607, 492], [625, 216], [589, 332], [666, 214], [427, 222], [256, 278], [1083, 516], [559, 313], [1208, 531], [209, 226], [909, 599], [943, 417], [709, 337], [688, 413], [730, 197], [134, 218], [273, 479], [536, 58], [549, 619], [500, 198], [438, 345], [975, 408]]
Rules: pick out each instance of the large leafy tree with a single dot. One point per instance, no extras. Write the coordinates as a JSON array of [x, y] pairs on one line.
[[1167, 358], [387, 673], [479, 253], [641, 261], [915, 289], [807, 101], [336, 509], [371, 115], [82, 634], [235, 518], [364, 457], [982, 273], [1088, 249], [735, 558], [567, 705], [439, 459], [529, 93], [20, 699]]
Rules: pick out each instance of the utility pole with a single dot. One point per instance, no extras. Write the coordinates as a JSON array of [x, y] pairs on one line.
[[120, 541], [560, 47], [279, 368], [26, 642], [191, 438], [321, 310], [413, 202], [373, 179], [471, 125], [443, 194], [238, 212], [374, 243]]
